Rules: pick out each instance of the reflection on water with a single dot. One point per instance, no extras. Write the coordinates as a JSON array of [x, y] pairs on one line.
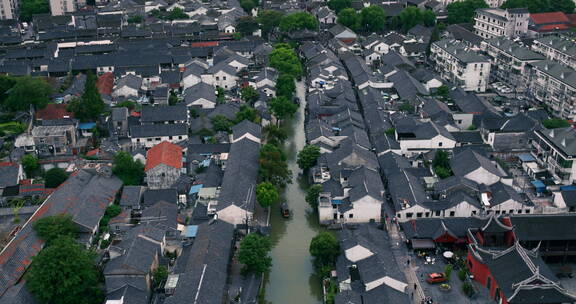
[[292, 278]]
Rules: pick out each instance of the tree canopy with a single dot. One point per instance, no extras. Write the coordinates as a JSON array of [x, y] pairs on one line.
[[90, 105], [254, 253], [274, 134], [246, 25], [373, 18], [30, 164], [273, 166], [248, 5], [249, 94], [554, 123], [441, 164], [299, 21], [51, 228], [267, 194], [412, 16], [325, 248], [464, 11], [28, 91], [282, 107], [338, 5], [307, 157], [247, 113], [285, 60], [221, 124], [285, 86], [269, 19], [54, 177], [349, 18], [28, 8], [129, 171], [64, 273], [312, 195], [542, 6]]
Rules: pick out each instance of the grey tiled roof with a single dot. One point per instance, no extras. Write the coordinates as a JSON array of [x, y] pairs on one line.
[[159, 114], [468, 161], [158, 130]]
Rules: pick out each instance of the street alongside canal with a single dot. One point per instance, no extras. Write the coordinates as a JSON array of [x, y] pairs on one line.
[[292, 278]]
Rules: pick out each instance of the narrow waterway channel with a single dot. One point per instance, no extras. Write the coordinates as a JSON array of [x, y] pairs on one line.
[[292, 278]]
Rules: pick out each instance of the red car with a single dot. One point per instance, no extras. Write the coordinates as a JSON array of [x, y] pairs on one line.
[[436, 277]]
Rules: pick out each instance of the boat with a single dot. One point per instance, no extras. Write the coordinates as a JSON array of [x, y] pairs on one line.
[[284, 210]]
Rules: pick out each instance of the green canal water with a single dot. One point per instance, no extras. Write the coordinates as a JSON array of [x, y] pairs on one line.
[[292, 279]]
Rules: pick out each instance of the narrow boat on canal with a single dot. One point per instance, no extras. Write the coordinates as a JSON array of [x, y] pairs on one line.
[[284, 210]]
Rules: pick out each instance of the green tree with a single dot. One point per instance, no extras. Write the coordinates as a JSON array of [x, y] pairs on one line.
[[312, 195], [173, 98], [441, 164], [286, 61], [463, 11], [541, 6], [6, 83], [135, 19], [90, 105], [299, 21], [338, 5], [64, 273], [248, 5], [28, 91], [249, 94], [390, 131], [325, 248], [267, 194], [30, 165], [129, 171], [285, 86], [349, 18], [443, 91], [159, 276], [274, 134], [54, 177], [51, 228], [307, 157], [254, 253], [554, 123], [220, 95], [126, 104], [273, 166], [373, 18], [428, 18], [406, 107], [176, 14], [246, 25], [28, 8], [247, 113], [269, 20], [221, 123], [282, 108]]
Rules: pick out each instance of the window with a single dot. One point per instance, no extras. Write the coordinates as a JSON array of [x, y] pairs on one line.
[[148, 139], [438, 213], [223, 77], [419, 214], [519, 211], [427, 214], [179, 137], [452, 213], [473, 212], [398, 215], [497, 211], [511, 211], [341, 216], [217, 78], [350, 215], [440, 144], [409, 215], [170, 137], [527, 211]]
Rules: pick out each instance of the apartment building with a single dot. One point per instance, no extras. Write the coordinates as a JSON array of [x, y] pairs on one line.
[[496, 22], [509, 62], [8, 9], [557, 48], [61, 7], [458, 64], [554, 85], [555, 150]]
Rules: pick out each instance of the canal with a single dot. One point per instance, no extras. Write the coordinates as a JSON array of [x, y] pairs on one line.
[[292, 278]]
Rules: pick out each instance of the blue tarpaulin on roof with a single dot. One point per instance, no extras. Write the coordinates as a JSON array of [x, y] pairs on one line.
[[86, 125], [567, 188], [191, 231], [526, 158], [195, 188], [540, 187], [336, 202]]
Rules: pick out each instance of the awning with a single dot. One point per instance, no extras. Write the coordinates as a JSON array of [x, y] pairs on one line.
[[194, 189], [191, 231], [526, 158], [540, 187], [423, 244]]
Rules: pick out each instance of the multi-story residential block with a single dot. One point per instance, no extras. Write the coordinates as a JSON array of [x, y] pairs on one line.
[[460, 65], [496, 22], [557, 48], [61, 7], [55, 140], [8, 9], [555, 150], [554, 85], [509, 62]]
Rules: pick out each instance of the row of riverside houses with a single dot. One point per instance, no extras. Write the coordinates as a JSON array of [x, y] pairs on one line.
[[479, 205], [199, 183]]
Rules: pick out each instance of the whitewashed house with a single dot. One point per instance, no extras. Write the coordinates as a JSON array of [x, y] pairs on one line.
[[163, 165]]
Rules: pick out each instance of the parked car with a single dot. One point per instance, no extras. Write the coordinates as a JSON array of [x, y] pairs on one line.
[[436, 277]]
